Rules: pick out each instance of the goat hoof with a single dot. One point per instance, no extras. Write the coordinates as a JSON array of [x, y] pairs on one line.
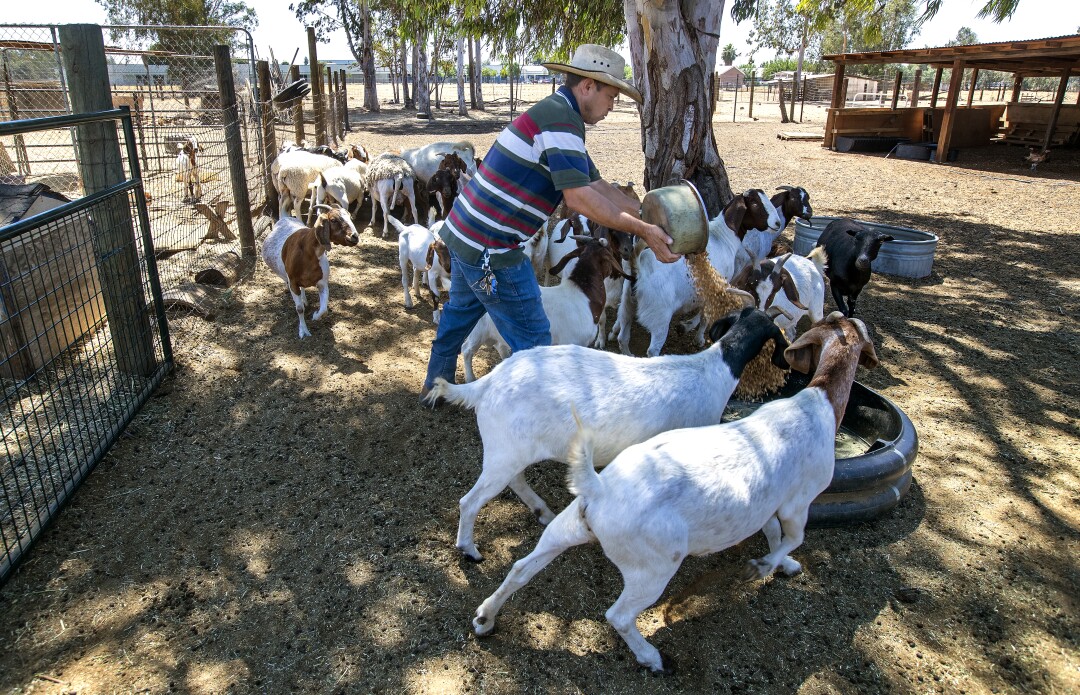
[[667, 666], [755, 569], [483, 626], [476, 558]]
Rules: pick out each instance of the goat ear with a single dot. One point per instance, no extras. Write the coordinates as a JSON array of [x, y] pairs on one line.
[[742, 278], [734, 214], [803, 354], [779, 355], [790, 289], [722, 325], [430, 255], [558, 267], [322, 230], [868, 357]]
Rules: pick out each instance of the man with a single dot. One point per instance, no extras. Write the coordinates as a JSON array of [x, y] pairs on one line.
[[536, 162]]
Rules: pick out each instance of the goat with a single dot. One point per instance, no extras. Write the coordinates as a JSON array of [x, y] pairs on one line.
[[293, 173], [344, 185], [438, 271], [852, 248], [624, 399], [389, 176], [791, 202], [665, 289], [425, 160], [187, 168], [701, 490], [573, 307], [417, 247], [442, 190], [793, 282], [300, 256]]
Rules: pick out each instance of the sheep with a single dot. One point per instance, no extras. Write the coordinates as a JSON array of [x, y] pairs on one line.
[[187, 168], [344, 185], [573, 307], [665, 289], [851, 248], [293, 173], [388, 177], [624, 399], [419, 248], [300, 256], [701, 490], [793, 282]]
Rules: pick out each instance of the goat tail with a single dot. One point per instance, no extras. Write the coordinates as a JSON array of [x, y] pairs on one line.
[[820, 258], [397, 224], [581, 476], [468, 395]]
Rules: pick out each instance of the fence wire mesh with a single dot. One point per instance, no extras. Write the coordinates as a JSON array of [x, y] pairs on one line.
[[84, 342], [166, 76]]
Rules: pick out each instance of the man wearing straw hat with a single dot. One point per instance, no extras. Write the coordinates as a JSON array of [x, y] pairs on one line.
[[536, 162]]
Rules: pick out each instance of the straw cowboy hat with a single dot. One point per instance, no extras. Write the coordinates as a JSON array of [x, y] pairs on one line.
[[601, 64]]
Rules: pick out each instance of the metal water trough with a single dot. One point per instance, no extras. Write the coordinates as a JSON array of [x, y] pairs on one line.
[[909, 255], [871, 483]]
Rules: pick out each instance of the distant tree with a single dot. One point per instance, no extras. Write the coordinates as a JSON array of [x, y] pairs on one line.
[[964, 37], [728, 55], [185, 13], [769, 68]]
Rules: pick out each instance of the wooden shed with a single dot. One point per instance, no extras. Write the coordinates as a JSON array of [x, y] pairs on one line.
[[951, 125]]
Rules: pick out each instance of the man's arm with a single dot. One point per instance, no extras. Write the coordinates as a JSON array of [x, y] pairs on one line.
[[623, 201], [623, 216]]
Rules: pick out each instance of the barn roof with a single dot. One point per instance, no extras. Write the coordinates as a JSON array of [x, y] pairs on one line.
[[1051, 56]]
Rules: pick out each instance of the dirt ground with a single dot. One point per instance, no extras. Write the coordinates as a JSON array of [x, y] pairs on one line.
[[281, 516]]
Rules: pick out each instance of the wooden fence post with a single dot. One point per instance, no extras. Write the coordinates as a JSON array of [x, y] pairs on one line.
[[345, 100], [915, 87], [316, 88], [269, 136], [101, 166], [298, 109], [234, 147], [331, 109], [750, 113]]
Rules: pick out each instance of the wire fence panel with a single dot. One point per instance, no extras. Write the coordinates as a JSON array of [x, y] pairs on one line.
[[167, 77], [70, 383]]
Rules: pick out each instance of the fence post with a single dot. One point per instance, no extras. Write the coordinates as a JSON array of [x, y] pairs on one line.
[[316, 88], [234, 147], [331, 109], [298, 110], [345, 99], [802, 104], [269, 136], [753, 79], [100, 167], [915, 87]]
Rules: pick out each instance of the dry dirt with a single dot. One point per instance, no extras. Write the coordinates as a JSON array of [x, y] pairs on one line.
[[281, 516]]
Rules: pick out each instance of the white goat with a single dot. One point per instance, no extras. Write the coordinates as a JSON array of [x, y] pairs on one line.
[[293, 172], [389, 176], [417, 250], [663, 290], [700, 490], [187, 167], [344, 185], [300, 256], [625, 400], [795, 283], [573, 307]]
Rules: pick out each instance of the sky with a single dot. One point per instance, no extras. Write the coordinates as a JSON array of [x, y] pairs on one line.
[[278, 27]]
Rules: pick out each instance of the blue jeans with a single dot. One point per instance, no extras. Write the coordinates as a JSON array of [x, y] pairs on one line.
[[514, 306]]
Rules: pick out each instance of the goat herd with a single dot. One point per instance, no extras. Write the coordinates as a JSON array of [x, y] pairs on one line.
[[676, 482]]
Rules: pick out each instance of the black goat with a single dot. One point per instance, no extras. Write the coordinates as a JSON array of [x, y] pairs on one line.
[[851, 248], [442, 190]]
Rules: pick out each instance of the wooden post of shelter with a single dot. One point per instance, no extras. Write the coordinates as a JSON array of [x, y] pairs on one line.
[[915, 87], [896, 89], [234, 148], [750, 108], [316, 88], [1018, 86], [1052, 125], [269, 136], [298, 108], [949, 120], [935, 88], [971, 89], [836, 104], [100, 167]]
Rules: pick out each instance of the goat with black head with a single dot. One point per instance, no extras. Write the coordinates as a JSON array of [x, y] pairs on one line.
[[851, 248]]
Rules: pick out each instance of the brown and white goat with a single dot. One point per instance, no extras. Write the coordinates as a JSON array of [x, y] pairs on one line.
[[187, 168], [300, 255]]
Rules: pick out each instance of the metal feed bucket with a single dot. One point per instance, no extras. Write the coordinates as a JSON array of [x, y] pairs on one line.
[[680, 212], [909, 255]]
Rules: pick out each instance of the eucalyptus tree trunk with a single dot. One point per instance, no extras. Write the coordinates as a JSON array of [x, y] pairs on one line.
[[472, 73], [462, 111], [423, 77], [478, 76], [673, 49], [371, 93], [405, 76]]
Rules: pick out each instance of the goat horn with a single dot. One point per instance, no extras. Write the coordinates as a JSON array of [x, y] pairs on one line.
[[779, 262], [322, 205], [748, 299], [774, 311], [580, 237], [785, 188]]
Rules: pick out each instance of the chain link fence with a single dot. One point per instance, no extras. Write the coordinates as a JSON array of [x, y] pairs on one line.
[[82, 326], [167, 77]]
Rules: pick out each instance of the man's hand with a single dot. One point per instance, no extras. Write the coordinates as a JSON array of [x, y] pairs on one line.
[[658, 241]]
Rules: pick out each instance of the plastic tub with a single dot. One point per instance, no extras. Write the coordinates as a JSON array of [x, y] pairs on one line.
[[909, 255]]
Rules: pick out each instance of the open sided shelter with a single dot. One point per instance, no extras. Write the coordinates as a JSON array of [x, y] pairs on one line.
[[956, 126]]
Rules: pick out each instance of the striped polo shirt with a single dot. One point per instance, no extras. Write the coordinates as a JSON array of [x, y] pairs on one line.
[[520, 182]]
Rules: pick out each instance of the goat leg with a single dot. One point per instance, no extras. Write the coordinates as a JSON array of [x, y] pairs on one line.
[[838, 297]]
